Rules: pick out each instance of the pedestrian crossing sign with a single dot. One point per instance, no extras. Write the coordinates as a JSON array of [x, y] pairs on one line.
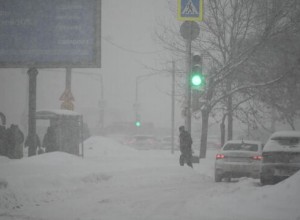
[[190, 10]]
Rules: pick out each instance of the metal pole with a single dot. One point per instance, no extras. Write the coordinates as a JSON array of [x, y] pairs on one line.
[[136, 105], [67, 96], [102, 89], [81, 136], [188, 86], [136, 90], [101, 104], [68, 78], [173, 107], [31, 140]]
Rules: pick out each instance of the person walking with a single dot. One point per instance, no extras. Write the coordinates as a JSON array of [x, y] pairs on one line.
[[15, 139], [185, 141]]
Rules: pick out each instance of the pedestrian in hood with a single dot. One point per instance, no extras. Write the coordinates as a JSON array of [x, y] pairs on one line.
[[186, 142]]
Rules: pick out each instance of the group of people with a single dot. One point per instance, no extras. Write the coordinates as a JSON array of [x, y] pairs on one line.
[[11, 142], [49, 143]]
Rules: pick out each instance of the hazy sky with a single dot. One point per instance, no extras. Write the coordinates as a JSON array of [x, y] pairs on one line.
[[131, 25], [127, 45]]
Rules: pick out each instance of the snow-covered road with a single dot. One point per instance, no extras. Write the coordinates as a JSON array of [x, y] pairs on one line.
[[116, 182]]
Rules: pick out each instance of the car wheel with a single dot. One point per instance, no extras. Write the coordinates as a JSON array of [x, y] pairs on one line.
[[218, 177]]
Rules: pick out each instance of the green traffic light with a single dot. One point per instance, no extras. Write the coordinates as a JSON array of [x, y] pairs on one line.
[[196, 80], [138, 123]]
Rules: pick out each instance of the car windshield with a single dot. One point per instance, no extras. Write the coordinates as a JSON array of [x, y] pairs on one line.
[[287, 141], [240, 147]]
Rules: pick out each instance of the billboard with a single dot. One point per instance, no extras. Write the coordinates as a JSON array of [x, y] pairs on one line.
[[50, 33]]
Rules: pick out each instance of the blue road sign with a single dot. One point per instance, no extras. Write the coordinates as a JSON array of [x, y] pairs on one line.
[[50, 33], [190, 10]]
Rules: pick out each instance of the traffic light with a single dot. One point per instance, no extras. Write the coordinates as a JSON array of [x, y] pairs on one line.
[[137, 123], [197, 79], [138, 120]]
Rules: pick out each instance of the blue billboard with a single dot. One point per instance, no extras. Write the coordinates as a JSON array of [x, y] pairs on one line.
[[50, 33]]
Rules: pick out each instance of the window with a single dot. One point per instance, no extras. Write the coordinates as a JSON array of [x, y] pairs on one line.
[[241, 147], [287, 141]]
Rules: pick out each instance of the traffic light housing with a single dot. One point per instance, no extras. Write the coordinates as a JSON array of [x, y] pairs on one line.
[[197, 79]]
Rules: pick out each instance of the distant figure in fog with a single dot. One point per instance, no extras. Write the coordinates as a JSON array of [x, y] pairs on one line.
[[186, 142], [49, 141], [15, 139]]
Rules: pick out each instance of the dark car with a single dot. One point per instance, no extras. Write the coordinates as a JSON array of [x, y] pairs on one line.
[[281, 157]]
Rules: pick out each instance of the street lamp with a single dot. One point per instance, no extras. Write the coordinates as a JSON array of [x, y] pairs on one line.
[[137, 104]]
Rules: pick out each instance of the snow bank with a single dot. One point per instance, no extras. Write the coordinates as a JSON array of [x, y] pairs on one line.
[[4, 159], [48, 175], [115, 181], [247, 200], [45, 177]]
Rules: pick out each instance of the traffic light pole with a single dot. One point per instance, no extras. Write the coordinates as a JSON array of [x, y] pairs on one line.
[[188, 119], [189, 30]]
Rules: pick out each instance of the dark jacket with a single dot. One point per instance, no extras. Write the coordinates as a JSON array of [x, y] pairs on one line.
[[185, 141], [15, 139]]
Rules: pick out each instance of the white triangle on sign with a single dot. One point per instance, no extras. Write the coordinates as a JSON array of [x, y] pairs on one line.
[[190, 9]]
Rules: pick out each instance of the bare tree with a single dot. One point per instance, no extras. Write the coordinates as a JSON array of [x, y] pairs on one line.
[[231, 34]]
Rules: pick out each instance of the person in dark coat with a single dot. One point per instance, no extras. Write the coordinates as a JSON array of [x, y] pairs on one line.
[[186, 142], [49, 141], [15, 139]]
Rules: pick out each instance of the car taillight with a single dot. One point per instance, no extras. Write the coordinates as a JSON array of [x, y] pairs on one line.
[[257, 157], [220, 156]]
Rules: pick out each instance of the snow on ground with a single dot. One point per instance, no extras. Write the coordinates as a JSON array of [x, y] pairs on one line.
[[114, 181]]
